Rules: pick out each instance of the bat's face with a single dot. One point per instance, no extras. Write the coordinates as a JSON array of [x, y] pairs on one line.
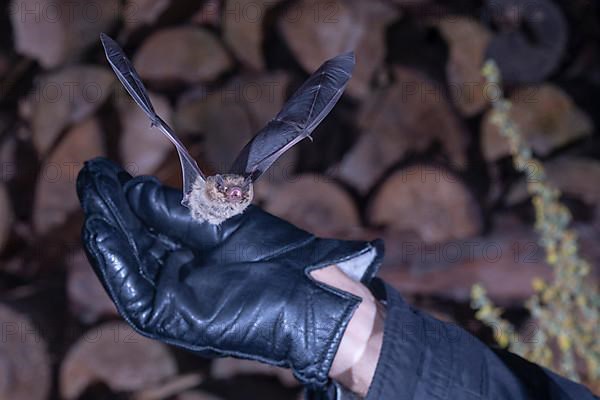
[[229, 188], [219, 197]]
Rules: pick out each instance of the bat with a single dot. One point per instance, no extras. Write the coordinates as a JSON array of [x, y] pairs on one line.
[[214, 199]]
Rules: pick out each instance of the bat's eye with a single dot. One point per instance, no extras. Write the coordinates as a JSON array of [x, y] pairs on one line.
[[234, 194]]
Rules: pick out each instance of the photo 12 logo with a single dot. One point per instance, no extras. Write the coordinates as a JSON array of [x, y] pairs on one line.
[[63, 12]]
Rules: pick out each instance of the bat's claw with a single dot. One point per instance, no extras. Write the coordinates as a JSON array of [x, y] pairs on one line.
[[310, 138]]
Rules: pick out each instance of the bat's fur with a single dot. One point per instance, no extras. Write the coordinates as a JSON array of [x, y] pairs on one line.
[[209, 202]]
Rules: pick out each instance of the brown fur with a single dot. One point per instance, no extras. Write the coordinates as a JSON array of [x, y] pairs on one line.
[[208, 203]]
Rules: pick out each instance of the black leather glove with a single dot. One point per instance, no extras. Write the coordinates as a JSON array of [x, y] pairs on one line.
[[240, 289]]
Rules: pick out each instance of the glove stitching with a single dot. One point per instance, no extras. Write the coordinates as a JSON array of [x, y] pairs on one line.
[[290, 247]]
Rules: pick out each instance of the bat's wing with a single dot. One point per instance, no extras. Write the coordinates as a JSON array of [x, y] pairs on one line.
[[132, 82], [308, 106]]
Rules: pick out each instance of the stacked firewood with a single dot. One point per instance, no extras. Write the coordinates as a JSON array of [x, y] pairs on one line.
[[409, 154]]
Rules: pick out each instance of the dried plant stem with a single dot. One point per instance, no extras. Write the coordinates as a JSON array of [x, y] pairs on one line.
[[566, 310]]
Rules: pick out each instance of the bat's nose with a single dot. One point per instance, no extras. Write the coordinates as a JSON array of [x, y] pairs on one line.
[[234, 194]]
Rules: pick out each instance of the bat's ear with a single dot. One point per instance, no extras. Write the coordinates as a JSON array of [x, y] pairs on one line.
[[219, 180]]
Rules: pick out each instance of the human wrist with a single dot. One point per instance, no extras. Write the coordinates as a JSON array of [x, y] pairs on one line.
[[358, 352]]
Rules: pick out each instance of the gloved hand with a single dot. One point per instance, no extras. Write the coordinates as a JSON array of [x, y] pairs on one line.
[[241, 289]]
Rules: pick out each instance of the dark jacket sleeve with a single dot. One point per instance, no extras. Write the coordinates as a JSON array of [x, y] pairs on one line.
[[424, 358]]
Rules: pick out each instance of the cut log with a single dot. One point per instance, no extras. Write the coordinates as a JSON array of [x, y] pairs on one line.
[[87, 298], [406, 117], [428, 200], [169, 172], [227, 368], [6, 215], [209, 13], [468, 40], [55, 195], [113, 354], [243, 29], [231, 116], [225, 125], [263, 94], [143, 148], [366, 161], [573, 176], [504, 263], [56, 31], [547, 118], [62, 98], [25, 372], [182, 55], [316, 30], [531, 40], [138, 13], [314, 203]]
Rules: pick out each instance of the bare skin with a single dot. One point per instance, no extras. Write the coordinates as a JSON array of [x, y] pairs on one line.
[[357, 356]]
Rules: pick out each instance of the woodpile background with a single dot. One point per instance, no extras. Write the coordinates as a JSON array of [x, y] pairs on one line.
[[409, 154]]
